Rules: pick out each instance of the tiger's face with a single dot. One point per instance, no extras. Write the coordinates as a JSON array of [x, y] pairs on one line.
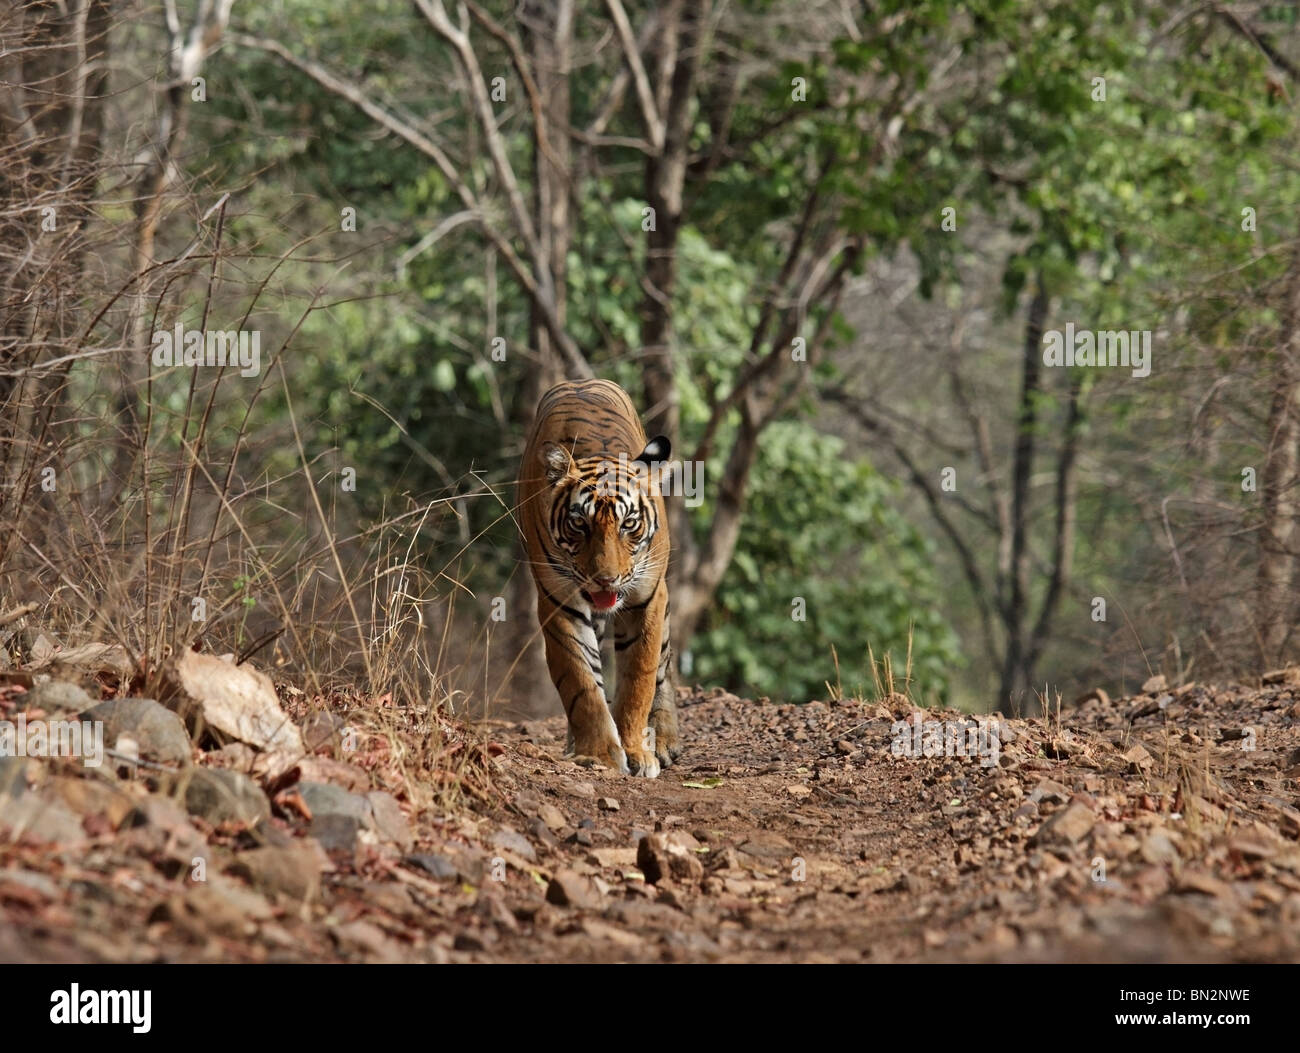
[[603, 518]]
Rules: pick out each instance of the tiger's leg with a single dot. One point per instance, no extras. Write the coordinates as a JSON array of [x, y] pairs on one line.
[[573, 658], [601, 626], [663, 710], [639, 644]]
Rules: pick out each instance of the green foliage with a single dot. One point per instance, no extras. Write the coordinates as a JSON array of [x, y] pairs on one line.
[[1119, 205], [823, 527]]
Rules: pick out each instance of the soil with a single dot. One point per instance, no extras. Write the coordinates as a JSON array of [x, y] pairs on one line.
[[1161, 827]]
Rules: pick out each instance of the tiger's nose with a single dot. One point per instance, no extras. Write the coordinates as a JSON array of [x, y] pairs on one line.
[[601, 579]]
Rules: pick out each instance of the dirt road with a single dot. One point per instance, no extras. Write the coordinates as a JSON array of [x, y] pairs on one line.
[[1160, 827], [1079, 843]]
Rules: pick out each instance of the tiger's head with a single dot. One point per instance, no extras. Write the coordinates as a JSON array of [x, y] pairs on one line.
[[603, 515]]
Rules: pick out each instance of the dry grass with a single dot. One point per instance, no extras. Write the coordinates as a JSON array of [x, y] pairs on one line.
[[189, 522]]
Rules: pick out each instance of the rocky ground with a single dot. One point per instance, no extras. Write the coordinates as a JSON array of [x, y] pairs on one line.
[[238, 822]]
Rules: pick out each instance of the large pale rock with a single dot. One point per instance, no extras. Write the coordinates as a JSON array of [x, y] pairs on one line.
[[234, 702]]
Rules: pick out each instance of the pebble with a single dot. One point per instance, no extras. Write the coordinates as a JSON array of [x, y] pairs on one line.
[[1067, 826], [220, 796], [658, 857], [156, 730], [292, 872], [389, 819], [440, 867], [567, 888], [514, 841]]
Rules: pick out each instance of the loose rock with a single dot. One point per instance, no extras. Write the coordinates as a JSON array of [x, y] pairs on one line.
[[570, 889], [220, 796], [658, 857], [155, 729]]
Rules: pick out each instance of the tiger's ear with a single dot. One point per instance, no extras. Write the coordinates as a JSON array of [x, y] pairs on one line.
[[653, 465], [558, 461], [657, 449]]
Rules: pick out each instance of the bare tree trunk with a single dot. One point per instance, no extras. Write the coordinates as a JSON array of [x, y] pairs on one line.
[[1017, 671], [549, 38], [669, 124], [695, 592], [1067, 491], [1276, 573], [665, 178], [55, 72], [188, 50], [550, 43]]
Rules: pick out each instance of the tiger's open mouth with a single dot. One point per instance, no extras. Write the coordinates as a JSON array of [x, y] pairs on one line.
[[602, 601]]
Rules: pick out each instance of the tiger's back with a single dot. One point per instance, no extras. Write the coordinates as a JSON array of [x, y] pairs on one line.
[[596, 536], [592, 418]]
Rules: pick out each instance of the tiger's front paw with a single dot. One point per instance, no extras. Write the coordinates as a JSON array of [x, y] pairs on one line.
[[643, 763], [605, 752], [667, 739]]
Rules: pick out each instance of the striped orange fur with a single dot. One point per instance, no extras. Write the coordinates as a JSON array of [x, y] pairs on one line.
[[596, 534]]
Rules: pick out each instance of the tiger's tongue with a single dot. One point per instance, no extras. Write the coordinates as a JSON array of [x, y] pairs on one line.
[[604, 600]]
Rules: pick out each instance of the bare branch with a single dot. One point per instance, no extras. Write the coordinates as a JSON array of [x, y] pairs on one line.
[[436, 15], [520, 64], [575, 363], [650, 112], [1063, 542]]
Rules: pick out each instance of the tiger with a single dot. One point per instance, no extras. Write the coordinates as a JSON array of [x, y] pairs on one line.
[[591, 511]]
